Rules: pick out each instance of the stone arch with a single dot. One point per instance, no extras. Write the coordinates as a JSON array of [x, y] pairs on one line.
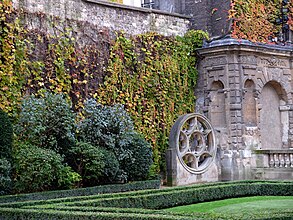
[[249, 104], [217, 109], [273, 122], [282, 87]]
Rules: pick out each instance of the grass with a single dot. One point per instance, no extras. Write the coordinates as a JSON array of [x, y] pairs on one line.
[[239, 205]]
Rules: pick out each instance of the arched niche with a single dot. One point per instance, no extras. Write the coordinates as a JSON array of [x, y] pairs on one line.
[[273, 125], [217, 105], [249, 104]]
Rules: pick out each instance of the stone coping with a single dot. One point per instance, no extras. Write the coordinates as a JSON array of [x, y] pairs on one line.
[[277, 151], [228, 40], [134, 8]]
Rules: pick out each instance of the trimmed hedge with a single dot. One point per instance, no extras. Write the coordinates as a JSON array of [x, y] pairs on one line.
[[133, 186], [162, 200], [145, 204]]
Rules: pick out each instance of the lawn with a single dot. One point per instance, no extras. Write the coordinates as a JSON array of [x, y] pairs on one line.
[[240, 205]]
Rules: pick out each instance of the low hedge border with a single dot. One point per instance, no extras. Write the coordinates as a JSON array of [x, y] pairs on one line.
[[161, 199], [20, 200], [140, 204], [133, 186], [139, 198]]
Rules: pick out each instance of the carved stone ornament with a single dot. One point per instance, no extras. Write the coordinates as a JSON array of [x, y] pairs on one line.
[[194, 139]]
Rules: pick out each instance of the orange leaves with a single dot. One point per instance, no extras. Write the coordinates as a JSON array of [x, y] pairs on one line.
[[253, 19]]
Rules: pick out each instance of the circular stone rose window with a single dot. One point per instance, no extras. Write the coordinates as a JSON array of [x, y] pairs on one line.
[[194, 138]]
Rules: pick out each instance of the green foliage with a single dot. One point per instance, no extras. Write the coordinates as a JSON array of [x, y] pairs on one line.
[[6, 136], [137, 162], [104, 125], [38, 169], [111, 171], [127, 155], [151, 75], [47, 122], [11, 64], [89, 162], [154, 78], [5, 176]]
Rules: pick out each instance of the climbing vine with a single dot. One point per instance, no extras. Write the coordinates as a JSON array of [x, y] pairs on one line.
[[34, 61], [255, 20], [12, 64], [154, 78]]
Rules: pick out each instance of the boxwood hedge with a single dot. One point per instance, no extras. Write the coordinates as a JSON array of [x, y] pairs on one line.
[[148, 204]]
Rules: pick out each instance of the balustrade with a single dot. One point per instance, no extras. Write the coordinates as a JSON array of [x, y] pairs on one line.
[[279, 158]]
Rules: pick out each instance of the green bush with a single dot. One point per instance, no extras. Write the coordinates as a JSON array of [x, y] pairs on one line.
[[111, 172], [111, 128], [6, 133], [87, 161], [38, 169], [47, 122], [104, 125], [136, 163], [5, 178]]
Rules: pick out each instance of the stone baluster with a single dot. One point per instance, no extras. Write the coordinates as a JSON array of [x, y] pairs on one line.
[[287, 160], [276, 160], [281, 159], [271, 161]]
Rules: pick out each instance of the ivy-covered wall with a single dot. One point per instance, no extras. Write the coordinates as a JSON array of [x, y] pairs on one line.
[[152, 75]]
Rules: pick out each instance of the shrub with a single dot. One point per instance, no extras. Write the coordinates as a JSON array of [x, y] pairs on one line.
[[5, 179], [6, 133], [94, 164], [111, 128], [38, 169], [104, 125], [87, 161], [47, 122], [111, 172], [137, 156]]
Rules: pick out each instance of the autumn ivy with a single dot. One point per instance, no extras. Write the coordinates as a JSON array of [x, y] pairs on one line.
[[12, 64], [154, 78], [255, 19]]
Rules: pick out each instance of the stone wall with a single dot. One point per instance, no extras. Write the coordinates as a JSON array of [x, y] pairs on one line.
[[208, 15], [104, 16]]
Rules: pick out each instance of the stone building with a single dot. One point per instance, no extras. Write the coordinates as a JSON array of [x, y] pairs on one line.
[[245, 89]]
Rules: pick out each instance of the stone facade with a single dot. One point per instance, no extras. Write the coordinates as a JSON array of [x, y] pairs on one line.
[[246, 92], [104, 16]]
